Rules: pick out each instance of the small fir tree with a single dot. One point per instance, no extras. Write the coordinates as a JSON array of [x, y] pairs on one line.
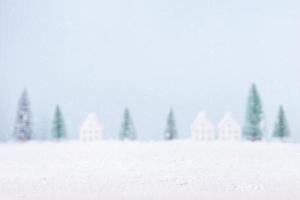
[[171, 131], [58, 129], [253, 129], [281, 128], [127, 129], [23, 124]]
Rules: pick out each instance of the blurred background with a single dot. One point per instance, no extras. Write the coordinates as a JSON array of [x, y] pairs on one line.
[[193, 55]]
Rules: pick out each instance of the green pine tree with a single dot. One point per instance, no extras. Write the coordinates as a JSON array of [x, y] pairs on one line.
[[253, 129], [281, 128], [171, 131], [58, 129], [127, 129]]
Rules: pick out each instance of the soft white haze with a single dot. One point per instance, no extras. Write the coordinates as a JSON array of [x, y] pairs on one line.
[[100, 56]]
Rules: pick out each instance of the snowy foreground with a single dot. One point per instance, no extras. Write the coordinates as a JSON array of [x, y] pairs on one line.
[[178, 170]]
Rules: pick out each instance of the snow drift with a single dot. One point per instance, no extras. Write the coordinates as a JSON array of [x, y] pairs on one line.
[[176, 170]]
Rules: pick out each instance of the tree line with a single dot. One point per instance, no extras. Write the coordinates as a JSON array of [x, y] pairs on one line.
[[253, 130]]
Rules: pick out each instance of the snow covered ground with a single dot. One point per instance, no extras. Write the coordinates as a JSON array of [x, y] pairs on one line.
[[177, 170]]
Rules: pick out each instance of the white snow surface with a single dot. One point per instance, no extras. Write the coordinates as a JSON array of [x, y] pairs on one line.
[[177, 170]]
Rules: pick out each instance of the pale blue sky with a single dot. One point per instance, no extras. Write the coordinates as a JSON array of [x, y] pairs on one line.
[[100, 56]]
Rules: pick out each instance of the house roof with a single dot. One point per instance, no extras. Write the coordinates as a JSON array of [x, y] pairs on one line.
[[202, 121], [228, 120], [91, 122]]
